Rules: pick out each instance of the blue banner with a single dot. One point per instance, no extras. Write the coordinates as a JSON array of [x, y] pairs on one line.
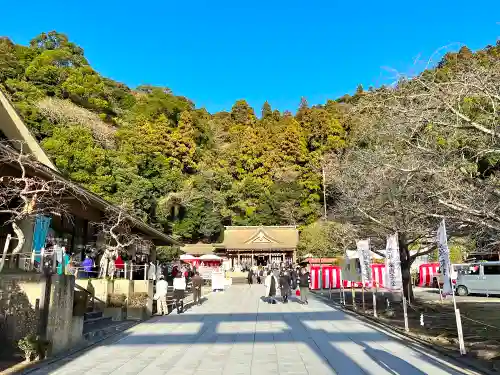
[[42, 224]]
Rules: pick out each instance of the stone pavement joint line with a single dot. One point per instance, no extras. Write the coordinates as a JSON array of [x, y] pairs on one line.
[[235, 332]]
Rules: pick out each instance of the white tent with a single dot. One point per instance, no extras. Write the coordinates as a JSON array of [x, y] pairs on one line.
[[188, 257], [210, 257]]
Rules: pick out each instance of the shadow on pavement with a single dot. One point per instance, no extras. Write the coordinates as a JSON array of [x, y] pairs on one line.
[[352, 348]]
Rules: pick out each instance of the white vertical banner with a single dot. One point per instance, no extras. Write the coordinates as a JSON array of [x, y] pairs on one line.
[[444, 259], [364, 260], [394, 280]]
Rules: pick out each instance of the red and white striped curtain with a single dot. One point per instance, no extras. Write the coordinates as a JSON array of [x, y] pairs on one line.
[[427, 272], [332, 276]]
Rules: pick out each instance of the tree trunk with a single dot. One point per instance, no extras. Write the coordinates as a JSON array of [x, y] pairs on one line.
[[404, 255], [20, 242]]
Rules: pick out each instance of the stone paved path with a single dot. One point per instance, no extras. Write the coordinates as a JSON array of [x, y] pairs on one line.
[[236, 333]]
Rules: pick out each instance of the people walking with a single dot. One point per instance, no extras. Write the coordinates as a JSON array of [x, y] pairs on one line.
[[87, 265], [294, 278], [179, 291], [161, 296], [254, 275], [250, 277], [197, 283], [271, 284], [276, 273], [304, 285], [285, 286]]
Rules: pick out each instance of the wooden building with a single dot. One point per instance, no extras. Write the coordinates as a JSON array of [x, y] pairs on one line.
[[74, 229], [258, 245]]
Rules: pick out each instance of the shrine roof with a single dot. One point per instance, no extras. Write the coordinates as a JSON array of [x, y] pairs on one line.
[[198, 249], [261, 237]]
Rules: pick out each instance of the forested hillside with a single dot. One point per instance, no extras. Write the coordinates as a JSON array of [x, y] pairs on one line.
[[396, 159], [177, 166]]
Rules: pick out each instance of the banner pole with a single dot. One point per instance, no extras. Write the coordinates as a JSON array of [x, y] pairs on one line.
[[363, 297], [353, 293], [342, 291], [440, 292], [374, 296], [460, 332], [330, 282], [405, 311], [444, 262], [458, 320]]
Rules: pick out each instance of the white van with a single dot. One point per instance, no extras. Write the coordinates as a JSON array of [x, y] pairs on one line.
[[455, 268], [479, 278]]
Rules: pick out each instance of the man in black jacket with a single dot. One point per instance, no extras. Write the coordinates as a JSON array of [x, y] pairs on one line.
[[285, 286], [304, 285], [294, 276]]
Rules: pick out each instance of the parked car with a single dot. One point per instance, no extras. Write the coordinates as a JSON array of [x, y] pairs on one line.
[[455, 268], [479, 278]]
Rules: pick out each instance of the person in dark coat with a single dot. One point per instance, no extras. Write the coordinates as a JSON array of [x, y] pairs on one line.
[[250, 277], [294, 278], [285, 286], [304, 285]]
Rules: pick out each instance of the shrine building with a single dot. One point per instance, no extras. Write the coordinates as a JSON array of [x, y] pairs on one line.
[[259, 245]]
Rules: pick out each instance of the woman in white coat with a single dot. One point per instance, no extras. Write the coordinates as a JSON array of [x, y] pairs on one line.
[[271, 284]]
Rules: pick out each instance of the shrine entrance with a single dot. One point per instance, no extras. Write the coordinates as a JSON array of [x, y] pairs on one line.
[[260, 260], [249, 246]]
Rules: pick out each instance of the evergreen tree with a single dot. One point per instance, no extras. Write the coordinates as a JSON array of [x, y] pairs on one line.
[[266, 110]]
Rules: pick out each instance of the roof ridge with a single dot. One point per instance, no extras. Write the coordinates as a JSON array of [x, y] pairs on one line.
[[19, 128]]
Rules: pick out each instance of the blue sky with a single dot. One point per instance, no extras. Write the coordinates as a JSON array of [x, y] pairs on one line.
[[216, 52]]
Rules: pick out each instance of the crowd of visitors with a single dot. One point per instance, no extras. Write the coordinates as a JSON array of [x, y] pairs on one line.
[[287, 279], [178, 276]]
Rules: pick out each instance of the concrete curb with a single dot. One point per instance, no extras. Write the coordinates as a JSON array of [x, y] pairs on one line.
[[405, 338]]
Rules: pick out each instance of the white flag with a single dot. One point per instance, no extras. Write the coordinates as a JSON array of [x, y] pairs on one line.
[[444, 259], [394, 281], [364, 260]]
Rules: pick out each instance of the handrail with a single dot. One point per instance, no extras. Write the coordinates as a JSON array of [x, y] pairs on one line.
[[79, 287], [94, 298]]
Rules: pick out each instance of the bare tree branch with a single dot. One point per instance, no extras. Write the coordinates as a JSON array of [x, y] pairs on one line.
[[25, 195], [117, 232]]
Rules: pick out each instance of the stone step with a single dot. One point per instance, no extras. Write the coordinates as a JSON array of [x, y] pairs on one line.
[[100, 332], [97, 323], [92, 315]]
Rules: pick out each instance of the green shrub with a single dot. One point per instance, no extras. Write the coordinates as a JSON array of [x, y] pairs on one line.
[[33, 346], [117, 300]]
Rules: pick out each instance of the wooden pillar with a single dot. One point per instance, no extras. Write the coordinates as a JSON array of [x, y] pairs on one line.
[[252, 257], [239, 259]]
